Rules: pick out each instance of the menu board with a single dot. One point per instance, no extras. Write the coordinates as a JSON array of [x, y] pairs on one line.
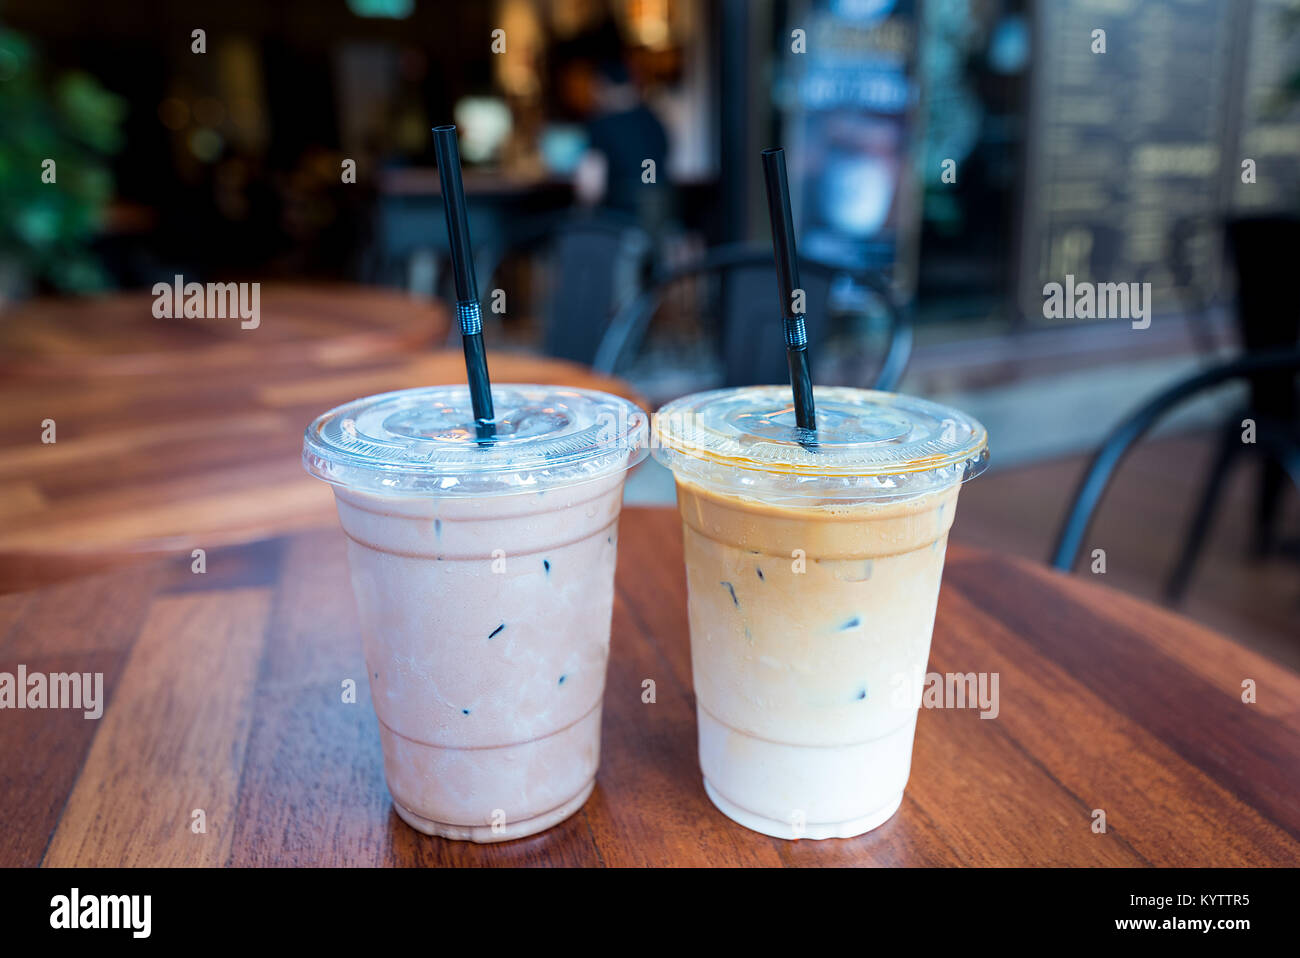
[[1269, 133], [1133, 148]]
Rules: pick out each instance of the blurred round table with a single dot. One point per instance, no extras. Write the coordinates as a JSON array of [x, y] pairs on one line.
[[172, 435], [299, 325]]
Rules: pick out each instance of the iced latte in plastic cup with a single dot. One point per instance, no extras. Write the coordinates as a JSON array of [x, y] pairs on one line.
[[812, 567], [484, 578]]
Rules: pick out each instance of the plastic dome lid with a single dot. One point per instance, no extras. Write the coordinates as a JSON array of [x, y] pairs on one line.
[[868, 444], [424, 442]]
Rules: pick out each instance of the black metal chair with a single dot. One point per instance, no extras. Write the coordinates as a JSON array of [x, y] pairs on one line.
[[592, 262], [1277, 442], [1263, 248], [752, 348]]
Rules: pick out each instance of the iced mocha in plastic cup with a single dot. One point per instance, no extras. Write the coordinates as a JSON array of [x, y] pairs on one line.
[[484, 575], [813, 575]]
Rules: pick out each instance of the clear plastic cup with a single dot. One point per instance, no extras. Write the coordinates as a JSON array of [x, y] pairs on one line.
[[812, 573], [484, 579]]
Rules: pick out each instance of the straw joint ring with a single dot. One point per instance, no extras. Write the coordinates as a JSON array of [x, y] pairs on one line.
[[796, 333], [471, 318]]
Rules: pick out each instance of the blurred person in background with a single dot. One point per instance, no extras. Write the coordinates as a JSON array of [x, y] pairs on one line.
[[622, 133]]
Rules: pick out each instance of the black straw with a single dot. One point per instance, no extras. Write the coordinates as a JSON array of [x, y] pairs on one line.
[[468, 309], [787, 277]]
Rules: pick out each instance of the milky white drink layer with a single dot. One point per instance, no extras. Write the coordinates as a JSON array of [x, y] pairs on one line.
[[813, 564], [807, 627], [484, 577]]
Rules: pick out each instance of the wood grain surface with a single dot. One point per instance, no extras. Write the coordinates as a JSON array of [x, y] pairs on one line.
[[180, 434], [299, 324], [224, 695]]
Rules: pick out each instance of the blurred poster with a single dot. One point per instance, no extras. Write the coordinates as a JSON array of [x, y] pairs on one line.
[[1134, 151], [848, 121]]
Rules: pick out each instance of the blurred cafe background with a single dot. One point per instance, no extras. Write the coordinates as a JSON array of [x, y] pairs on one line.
[[948, 160]]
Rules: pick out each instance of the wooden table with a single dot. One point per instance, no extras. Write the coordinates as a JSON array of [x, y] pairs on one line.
[[299, 325], [182, 434], [224, 695]]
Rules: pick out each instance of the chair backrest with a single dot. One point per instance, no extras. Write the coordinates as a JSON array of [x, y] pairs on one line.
[[1277, 363], [749, 336], [595, 265], [753, 351], [1263, 250], [592, 262]]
